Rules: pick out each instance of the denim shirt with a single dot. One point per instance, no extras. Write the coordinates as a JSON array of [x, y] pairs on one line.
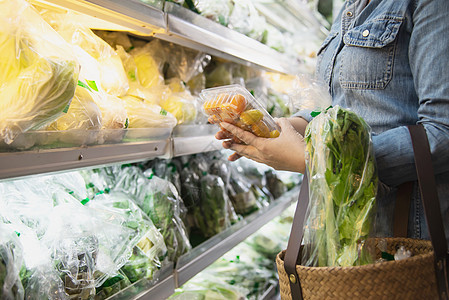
[[388, 61]]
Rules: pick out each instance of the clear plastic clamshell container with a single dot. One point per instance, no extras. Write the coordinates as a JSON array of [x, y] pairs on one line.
[[235, 104]]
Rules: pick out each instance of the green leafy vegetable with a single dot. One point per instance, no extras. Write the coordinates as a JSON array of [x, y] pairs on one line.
[[343, 186]]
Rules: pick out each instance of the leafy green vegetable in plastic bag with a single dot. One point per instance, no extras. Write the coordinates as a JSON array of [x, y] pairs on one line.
[[160, 200], [112, 286], [343, 186], [10, 263], [211, 215]]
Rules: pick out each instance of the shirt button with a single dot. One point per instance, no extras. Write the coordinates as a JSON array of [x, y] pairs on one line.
[[365, 33], [349, 13]]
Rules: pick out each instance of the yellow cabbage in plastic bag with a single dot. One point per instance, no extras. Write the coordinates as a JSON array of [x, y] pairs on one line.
[[182, 105], [147, 70], [113, 111], [154, 91], [82, 114], [144, 115], [108, 69], [38, 73], [147, 62]]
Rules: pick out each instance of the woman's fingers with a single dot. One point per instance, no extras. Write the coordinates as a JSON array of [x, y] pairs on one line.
[[234, 156], [245, 136]]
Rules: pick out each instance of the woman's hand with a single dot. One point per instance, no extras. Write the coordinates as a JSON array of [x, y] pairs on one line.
[[285, 152]]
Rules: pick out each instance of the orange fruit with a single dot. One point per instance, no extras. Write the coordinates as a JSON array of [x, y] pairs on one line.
[[233, 107]]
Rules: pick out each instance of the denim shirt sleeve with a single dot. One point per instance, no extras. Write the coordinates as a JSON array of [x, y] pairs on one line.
[[429, 59]]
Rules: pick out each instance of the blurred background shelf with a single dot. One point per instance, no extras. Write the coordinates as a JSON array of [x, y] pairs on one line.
[[189, 29], [176, 24], [206, 253]]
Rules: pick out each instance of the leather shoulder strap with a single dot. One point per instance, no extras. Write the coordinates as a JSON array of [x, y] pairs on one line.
[[429, 195], [294, 242]]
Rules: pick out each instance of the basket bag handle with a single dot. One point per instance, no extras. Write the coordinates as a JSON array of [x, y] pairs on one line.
[[432, 211]]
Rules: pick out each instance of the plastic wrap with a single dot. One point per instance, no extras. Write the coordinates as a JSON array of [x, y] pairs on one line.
[[143, 243], [236, 105], [241, 194], [99, 62], [115, 39], [39, 71], [244, 18], [184, 63], [112, 286], [146, 64], [83, 113], [10, 264], [342, 188], [216, 10], [160, 200], [208, 288], [145, 115], [211, 215], [271, 239], [27, 202], [309, 94], [245, 269], [182, 105]]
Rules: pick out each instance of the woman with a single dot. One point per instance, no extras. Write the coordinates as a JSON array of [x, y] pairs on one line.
[[387, 60]]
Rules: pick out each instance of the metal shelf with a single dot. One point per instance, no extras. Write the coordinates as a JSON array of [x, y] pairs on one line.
[[161, 287], [16, 164], [195, 31], [132, 15], [181, 26], [205, 254]]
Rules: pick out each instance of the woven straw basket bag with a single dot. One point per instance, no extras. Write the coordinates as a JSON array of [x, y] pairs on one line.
[[422, 276]]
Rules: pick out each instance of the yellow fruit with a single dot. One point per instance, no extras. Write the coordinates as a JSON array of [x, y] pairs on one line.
[[261, 129], [274, 134], [251, 116]]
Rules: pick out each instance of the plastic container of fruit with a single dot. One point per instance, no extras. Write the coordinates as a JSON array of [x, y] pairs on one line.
[[235, 104]]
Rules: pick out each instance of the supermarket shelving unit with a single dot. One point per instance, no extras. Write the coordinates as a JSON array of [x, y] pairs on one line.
[[175, 24]]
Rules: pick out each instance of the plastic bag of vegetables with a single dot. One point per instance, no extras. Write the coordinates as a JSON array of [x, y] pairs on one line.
[[160, 200], [146, 64], [39, 71], [112, 286], [211, 215], [244, 269], [144, 115], [182, 105], [83, 113], [342, 188], [206, 287], [99, 62], [10, 263], [144, 243]]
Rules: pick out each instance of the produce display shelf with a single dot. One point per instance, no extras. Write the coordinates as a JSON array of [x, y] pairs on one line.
[[162, 287], [191, 139], [24, 163], [171, 277], [177, 24], [195, 31], [131, 15], [270, 293], [209, 251]]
